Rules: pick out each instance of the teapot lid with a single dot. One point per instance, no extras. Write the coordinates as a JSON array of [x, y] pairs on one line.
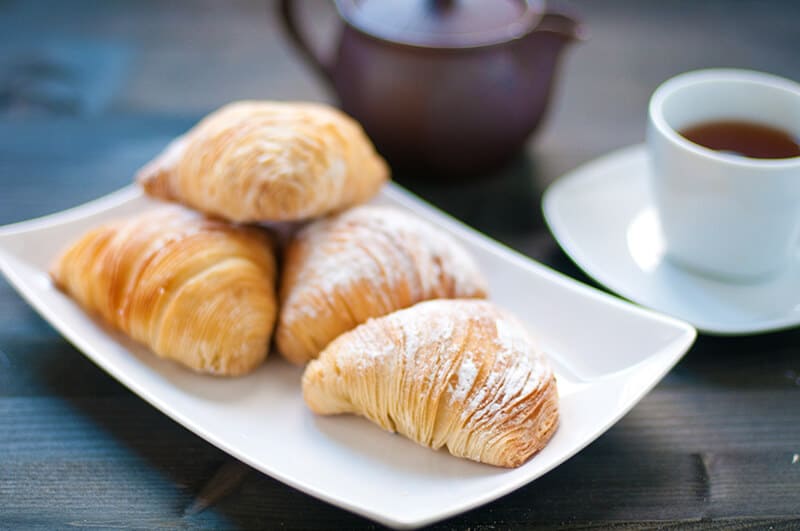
[[443, 23]]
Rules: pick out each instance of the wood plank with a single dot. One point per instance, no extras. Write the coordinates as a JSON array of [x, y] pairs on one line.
[[51, 367], [756, 484], [782, 524], [51, 447], [588, 489], [758, 361], [708, 420], [19, 319]]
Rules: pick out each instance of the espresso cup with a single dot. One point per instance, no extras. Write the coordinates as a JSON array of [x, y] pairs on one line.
[[724, 215]]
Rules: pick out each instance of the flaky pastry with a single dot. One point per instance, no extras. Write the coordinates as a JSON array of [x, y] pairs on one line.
[[460, 374], [256, 161], [365, 262], [194, 290]]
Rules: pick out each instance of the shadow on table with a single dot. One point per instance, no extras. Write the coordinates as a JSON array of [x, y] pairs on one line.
[[170, 477], [768, 361], [505, 205], [505, 202]]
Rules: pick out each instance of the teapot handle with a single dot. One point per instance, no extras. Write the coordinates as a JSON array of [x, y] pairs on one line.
[[289, 19], [563, 23]]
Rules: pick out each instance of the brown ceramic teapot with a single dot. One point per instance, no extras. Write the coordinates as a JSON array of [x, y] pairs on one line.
[[450, 86]]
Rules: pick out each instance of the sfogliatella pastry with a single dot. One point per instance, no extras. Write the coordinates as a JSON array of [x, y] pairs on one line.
[[460, 374], [256, 161], [362, 263], [194, 290]]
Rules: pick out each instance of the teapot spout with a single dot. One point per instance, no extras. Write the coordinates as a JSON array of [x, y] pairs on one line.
[[564, 25]]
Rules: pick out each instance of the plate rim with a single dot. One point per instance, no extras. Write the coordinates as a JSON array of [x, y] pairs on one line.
[[673, 351], [597, 169]]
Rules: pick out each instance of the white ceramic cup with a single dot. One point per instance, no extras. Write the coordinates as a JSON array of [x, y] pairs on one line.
[[724, 215]]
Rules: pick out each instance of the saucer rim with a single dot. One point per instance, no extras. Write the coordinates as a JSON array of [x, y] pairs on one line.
[[599, 169]]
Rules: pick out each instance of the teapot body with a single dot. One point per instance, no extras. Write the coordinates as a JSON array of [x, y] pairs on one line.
[[462, 111], [451, 104]]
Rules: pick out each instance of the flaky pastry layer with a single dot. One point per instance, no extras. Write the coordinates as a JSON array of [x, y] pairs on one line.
[[195, 290], [460, 374]]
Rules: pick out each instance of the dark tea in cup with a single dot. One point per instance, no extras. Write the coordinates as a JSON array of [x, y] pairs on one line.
[[748, 139]]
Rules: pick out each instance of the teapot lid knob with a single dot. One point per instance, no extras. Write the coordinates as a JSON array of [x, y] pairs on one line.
[[443, 23]]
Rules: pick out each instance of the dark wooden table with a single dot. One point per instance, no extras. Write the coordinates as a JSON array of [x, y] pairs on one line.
[[91, 90]]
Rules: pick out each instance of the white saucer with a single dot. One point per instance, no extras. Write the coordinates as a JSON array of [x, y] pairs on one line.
[[603, 217]]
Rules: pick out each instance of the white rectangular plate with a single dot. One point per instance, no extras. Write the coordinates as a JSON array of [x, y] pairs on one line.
[[607, 354]]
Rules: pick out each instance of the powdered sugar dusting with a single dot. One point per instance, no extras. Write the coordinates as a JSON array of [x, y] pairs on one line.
[[506, 335], [517, 370], [381, 350], [467, 374], [514, 340], [459, 373], [366, 262], [436, 253], [412, 342], [384, 245], [530, 367], [421, 333]]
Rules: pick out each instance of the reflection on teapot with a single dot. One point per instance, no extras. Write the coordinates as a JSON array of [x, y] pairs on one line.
[[447, 86]]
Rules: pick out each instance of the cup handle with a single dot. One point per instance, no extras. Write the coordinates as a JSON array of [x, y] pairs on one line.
[[290, 25]]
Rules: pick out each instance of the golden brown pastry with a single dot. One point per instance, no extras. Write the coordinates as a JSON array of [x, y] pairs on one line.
[[194, 290], [268, 161], [461, 374], [366, 262]]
